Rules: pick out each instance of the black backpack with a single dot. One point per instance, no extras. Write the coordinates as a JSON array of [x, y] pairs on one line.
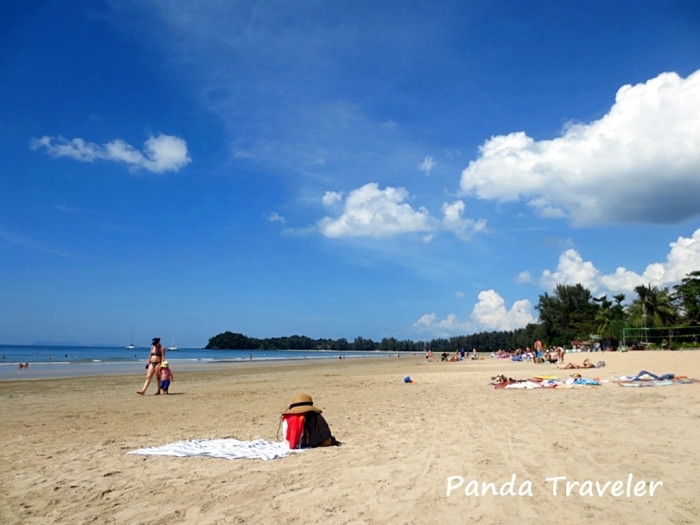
[[317, 433]]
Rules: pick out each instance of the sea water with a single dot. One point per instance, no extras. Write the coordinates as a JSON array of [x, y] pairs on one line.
[[69, 361]]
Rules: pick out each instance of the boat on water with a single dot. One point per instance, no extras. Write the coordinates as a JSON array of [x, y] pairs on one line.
[[131, 346], [172, 346]]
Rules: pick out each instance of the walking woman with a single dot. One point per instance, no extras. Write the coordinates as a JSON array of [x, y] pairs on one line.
[[156, 357]]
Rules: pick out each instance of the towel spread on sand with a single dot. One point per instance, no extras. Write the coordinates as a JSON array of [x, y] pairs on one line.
[[529, 385], [220, 448], [660, 382]]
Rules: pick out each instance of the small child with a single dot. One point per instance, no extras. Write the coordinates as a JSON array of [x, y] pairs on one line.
[[166, 376]]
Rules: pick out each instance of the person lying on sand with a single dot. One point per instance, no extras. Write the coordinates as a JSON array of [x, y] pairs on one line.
[[645, 376], [586, 364], [648, 376], [501, 379]]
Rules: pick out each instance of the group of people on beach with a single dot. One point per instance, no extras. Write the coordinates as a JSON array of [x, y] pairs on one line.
[[459, 355], [536, 354], [160, 368]]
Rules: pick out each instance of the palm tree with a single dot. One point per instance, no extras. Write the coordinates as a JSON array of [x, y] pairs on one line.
[[611, 318], [652, 308]]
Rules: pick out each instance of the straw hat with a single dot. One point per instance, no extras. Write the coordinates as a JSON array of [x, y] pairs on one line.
[[301, 403], [164, 364]]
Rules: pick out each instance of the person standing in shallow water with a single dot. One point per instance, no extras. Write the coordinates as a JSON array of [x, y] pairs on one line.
[[155, 358]]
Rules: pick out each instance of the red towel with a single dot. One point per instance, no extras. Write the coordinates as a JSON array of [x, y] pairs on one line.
[[295, 428]]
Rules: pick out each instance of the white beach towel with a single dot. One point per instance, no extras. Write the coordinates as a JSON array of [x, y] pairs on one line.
[[525, 384], [220, 448]]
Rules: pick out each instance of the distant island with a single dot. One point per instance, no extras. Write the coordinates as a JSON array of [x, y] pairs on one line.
[[483, 342]]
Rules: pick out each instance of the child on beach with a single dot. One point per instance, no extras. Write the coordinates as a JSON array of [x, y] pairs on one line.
[[166, 376]]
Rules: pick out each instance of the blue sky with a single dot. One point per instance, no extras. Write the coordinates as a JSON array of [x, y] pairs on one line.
[[338, 169]]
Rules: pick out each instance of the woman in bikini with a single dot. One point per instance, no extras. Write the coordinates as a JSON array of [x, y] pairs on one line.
[[156, 357], [586, 364]]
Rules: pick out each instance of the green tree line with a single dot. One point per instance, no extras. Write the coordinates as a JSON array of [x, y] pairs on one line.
[[569, 313]]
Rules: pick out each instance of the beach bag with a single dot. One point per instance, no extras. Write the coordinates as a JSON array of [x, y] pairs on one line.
[[317, 433]]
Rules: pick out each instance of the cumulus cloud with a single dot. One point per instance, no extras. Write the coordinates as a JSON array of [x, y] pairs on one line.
[[463, 228], [683, 258], [373, 212], [370, 211], [160, 154], [489, 313], [427, 165], [639, 163], [331, 197], [275, 217]]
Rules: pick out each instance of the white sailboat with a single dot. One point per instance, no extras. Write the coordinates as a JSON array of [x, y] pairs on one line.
[[172, 346], [131, 342]]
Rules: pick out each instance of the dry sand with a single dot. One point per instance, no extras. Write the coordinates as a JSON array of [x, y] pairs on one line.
[[65, 441]]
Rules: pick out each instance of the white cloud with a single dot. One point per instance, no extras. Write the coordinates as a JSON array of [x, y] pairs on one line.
[[639, 163], [162, 153], [371, 212], [331, 197], [427, 165], [489, 314], [275, 217], [524, 277], [449, 325], [426, 321], [683, 258], [460, 295], [453, 221]]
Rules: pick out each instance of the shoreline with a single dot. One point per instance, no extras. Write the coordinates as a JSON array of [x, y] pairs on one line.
[[65, 370]]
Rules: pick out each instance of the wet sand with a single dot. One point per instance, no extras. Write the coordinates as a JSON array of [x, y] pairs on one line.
[[65, 442]]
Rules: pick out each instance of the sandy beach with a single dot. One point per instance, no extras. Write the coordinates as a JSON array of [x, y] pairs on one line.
[[65, 442]]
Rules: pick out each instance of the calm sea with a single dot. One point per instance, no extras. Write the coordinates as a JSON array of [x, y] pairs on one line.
[[69, 361]]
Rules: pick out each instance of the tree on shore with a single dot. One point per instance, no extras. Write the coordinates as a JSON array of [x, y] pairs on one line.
[[686, 299], [610, 318], [652, 308], [568, 314]]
